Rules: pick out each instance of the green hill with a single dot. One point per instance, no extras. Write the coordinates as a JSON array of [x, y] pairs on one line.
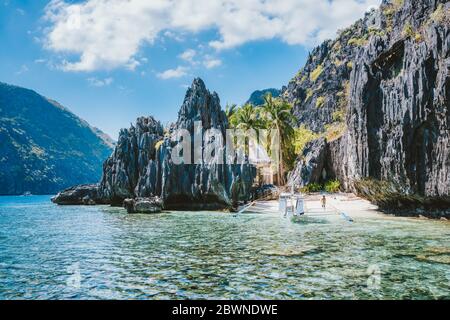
[[43, 146]]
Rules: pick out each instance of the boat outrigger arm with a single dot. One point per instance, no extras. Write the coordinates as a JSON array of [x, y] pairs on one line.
[[246, 208], [346, 217]]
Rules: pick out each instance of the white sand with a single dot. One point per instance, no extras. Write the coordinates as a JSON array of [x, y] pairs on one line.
[[348, 203]]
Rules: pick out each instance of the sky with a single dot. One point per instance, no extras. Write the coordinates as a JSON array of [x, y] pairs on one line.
[[111, 61]]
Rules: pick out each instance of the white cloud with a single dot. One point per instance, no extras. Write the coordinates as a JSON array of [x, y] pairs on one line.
[[188, 55], [173, 73], [100, 82], [23, 69], [173, 35], [210, 63], [107, 34], [132, 64]]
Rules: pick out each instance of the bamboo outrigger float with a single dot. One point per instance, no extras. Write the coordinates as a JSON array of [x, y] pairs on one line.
[[292, 204]]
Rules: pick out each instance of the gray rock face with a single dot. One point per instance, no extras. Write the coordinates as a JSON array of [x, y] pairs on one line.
[[266, 192], [142, 165], [334, 162], [397, 106], [143, 205], [320, 87], [310, 165], [80, 195], [398, 117], [126, 171], [202, 185]]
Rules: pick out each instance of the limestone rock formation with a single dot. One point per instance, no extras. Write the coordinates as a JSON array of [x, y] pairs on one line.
[[385, 83], [398, 115], [133, 162], [310, 166], [143, 205], [79, 195], [142, 165]]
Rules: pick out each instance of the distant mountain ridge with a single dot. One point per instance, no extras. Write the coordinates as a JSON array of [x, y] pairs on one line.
[[257, 97], [43, 146]]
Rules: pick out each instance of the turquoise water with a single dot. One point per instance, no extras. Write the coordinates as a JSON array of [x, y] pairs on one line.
[[51, 252]]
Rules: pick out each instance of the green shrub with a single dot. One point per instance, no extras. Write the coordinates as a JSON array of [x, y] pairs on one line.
[[302, 136], [344, 96], [316, 73], [397, 4], [418, 37], [309, 94], [320, 102], [158, 144], [332, 186], [358, 42], [337, 46], [312, 187], [376, 32], [408, 30], [337, 62], [439, 15], [339, 115], [392, 197], [334, 131]]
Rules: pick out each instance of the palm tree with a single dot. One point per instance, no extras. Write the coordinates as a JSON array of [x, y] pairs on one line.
[[244, 118], [278, 116], [248, 118], [230, 110]]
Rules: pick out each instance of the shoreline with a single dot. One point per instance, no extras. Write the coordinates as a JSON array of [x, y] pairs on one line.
[[349, 203]]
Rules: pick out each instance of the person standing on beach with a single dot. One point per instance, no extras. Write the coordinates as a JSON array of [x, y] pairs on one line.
[[323, 201]]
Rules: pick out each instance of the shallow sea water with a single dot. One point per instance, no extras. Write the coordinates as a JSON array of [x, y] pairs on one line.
[[52, 252]]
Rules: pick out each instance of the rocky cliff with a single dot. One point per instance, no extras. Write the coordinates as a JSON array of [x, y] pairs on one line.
[[43, 146], [142, 165], [257, 97], [380, 94]]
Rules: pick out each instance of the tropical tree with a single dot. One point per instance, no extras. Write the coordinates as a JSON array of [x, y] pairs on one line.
[[248, 117], [230, 110], [244, 118], [277, 115]]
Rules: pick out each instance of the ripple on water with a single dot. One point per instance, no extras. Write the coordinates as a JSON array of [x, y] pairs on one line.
[[50, 252]]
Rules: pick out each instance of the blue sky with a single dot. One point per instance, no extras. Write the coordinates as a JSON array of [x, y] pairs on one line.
[[110, 61]]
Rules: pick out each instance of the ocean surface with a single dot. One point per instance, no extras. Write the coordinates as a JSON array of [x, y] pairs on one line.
[[51, 252]]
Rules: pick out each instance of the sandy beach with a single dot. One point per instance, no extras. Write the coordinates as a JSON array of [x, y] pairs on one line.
[[337, 203]]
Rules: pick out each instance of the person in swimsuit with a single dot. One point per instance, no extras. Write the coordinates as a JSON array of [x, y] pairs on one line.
[[323, 201]]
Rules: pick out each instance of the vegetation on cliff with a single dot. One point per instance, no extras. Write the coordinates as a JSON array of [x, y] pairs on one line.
[[43, 146], [379, 94]]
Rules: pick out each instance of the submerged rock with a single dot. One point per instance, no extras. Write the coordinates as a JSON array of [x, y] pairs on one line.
[[291, 252], [143, 205], [444, 259]]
